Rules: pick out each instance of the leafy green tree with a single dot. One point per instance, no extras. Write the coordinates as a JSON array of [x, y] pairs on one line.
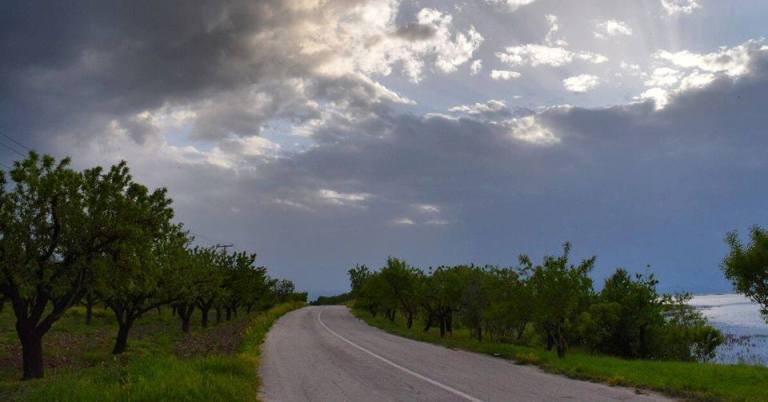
[[209, 266], [561, 292], [403, 284], [442, 298], [509, 312], [627, 312], [357, 276], [475, 298], [374, 296], [686, 334], [140, 266], [54, 222], [747, 266]]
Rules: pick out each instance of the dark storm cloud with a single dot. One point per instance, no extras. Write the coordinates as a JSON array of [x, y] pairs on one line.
[[631, 183], [415, 31]]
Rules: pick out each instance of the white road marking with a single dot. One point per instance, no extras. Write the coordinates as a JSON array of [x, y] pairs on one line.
[[397, 366]]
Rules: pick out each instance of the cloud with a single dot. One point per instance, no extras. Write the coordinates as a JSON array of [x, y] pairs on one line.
[[504, 75], [511, 5], [271, 124], [342, 199], [610, 28], [677, 72], [581, 83], [535, 55], [403, 222], [493, 109], [675, 7], [475, 67]]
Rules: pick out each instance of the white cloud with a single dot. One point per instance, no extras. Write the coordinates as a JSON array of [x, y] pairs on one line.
[[674, 7], [504, 74], [731, 61], [663, 77], [534, 55], [403, 222], [475, 67], [427, 208], [595, 58], [659, 96], [581, 83], [511, 5], [676, 72], [339, 198], [492, 106], [554, 28], [364, 39], [528, 129], [612, 28]]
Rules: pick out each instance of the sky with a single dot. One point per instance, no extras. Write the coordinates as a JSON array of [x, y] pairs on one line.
[[323, 134]]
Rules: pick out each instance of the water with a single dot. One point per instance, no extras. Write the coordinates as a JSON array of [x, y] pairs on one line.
[[740, 321]]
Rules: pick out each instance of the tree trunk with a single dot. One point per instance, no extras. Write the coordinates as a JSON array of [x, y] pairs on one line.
[[218, 315], [550, 340], [204, 316], [442, 326], [561, 344], [185, 313], [248, 308], [122, 337], [479, 333], [32, 352], [410, 320], [229, 313], [88, 312], [428, 325]]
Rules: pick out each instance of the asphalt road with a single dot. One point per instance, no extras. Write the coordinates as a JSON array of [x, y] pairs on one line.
[[326, 354]]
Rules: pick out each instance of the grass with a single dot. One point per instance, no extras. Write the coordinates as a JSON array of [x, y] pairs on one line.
[[687, 380], [162, 364]]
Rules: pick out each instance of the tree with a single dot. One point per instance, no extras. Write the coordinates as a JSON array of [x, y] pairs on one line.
[[209, 267], [442, 297], [625, 315], [403, 284], [140, 266], [561, 293], [474, 299], [54, 222], [357, 276], [509, 311], [747, 266]]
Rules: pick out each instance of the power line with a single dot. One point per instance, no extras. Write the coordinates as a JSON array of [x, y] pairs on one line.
[[13, 149], [16, 142]]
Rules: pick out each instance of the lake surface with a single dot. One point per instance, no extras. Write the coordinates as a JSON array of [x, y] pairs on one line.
[[740, 320]]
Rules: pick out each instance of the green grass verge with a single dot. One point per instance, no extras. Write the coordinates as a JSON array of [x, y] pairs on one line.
[[152, 370], [687, 380]]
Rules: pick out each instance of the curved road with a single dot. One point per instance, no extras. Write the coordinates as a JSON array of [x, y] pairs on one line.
[[326, 354]]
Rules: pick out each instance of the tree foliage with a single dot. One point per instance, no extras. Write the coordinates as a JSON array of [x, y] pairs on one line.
[[552, 303], [96, 235], [747, 266]]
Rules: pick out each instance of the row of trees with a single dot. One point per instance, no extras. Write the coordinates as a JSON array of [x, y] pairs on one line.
[[552, 303], [97, 236]]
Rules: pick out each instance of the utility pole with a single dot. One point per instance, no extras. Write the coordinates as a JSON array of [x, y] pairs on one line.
[[224, 246]]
